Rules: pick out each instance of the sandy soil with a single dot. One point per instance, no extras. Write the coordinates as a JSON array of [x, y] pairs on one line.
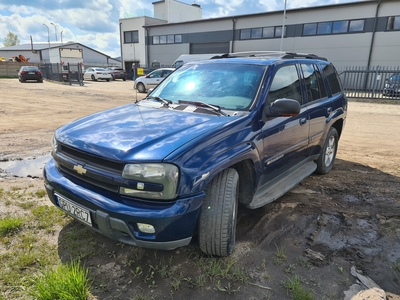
[[328, 224]]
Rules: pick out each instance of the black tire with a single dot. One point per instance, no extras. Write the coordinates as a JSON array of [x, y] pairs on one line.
[[108, 80], [93, 78], [140, 87], [217, 222], [124, 79], [328, 154]]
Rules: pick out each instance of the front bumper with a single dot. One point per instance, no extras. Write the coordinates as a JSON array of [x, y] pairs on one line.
[[116, 217]]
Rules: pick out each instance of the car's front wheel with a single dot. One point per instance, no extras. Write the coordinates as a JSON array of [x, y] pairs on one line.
[[217, 222], [140, 87], [93, 78], [328, 154]]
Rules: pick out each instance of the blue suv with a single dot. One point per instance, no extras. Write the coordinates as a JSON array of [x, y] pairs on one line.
[[237, 129]]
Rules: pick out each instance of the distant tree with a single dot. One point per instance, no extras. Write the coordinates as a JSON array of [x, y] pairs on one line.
[[11, 40]]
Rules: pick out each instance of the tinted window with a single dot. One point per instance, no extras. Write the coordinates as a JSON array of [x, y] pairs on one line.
[[310, 29], [393, 23], [324, 28], [245, 34], [285, 85], [356, 25], [256, 33], [331, 75], [340, 26], [268, 32], [314, 83]]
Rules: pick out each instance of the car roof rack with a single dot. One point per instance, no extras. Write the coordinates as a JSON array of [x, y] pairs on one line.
[[280, 54]]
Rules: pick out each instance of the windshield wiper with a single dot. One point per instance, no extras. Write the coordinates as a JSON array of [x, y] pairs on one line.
[[165, 102], [215, 108]]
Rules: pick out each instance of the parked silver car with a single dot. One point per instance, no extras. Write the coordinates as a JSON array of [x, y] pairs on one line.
[[143, 83]]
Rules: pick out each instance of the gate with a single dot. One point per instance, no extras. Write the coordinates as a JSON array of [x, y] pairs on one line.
[[374, 83], [71, 73]]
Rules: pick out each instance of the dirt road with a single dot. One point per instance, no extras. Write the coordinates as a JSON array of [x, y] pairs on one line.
[[326, 225]]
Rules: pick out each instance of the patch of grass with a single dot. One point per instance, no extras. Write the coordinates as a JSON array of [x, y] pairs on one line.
[[48, 216], [10, 225], [41, 193], [396, 267], [303, 262], [295, 288], [280, 253], [66, 281]]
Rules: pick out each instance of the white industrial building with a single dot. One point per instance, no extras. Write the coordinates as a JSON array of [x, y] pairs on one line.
[[38, 53], [364, 33]]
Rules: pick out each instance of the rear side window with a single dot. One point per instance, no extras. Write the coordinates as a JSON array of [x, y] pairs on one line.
[[314, 83], [333, 79], [285, 84]]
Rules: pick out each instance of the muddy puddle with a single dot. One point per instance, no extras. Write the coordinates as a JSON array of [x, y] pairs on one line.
[[29, 167]]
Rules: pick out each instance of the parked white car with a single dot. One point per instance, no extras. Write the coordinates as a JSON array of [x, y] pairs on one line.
[[143, 83], [96, 74]]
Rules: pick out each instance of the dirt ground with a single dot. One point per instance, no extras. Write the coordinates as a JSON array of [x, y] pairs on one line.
[[326, 225]]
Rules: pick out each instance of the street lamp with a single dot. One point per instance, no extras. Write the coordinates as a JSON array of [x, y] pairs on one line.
[[283, 26], [55, 29], [61, 37], [48, 38]]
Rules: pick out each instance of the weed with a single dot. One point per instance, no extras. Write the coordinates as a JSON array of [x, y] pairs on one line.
[[40, 193], [67, 281], [280, 253], [340, 269], [10, 225], [227, 288], [290, 269], [297, 291], [396, 267], [303, 262]]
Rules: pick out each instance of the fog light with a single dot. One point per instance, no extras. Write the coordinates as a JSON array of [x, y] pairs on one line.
[[146, 228]]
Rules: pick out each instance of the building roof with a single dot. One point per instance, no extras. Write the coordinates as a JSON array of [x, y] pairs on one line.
[[273, 12], [45, 46], [36, 46]]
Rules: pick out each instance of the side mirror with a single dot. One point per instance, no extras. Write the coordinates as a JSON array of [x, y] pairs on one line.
[[282, 108]]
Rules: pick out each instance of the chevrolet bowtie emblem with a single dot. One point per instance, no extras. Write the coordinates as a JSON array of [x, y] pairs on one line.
[[80, 169]]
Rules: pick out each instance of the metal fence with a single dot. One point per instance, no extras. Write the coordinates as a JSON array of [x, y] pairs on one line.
[[71, 73], [371, 83]]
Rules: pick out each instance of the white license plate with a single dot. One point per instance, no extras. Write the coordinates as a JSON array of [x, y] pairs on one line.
[[74, 210], [31, 72]]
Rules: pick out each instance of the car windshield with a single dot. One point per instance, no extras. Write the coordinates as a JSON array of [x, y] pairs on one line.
[[229, 86]]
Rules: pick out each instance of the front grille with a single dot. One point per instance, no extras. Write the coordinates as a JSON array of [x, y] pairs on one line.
[[68, 157], [98, 183], [81, 156]]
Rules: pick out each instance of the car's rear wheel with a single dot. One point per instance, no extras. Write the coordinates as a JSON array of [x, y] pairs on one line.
[[217, 222], [124, 79], [93, 78], [328, 154], [141, 88]]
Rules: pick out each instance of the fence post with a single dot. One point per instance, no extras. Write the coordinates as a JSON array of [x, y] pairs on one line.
[[375, 82]]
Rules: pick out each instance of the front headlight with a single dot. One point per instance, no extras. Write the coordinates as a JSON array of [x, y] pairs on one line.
[[146, 175]]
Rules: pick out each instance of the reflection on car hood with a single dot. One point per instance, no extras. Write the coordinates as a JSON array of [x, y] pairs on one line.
[[135, 132]]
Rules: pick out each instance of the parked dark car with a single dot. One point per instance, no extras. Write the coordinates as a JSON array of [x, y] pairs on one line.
[[26, 73], [238, 130], [117, 73], [392, 86]]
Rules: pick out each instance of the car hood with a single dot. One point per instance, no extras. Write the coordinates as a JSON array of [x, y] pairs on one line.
[[136, 132]]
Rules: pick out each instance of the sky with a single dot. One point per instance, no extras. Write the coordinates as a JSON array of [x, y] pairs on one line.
[[94, 23]]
